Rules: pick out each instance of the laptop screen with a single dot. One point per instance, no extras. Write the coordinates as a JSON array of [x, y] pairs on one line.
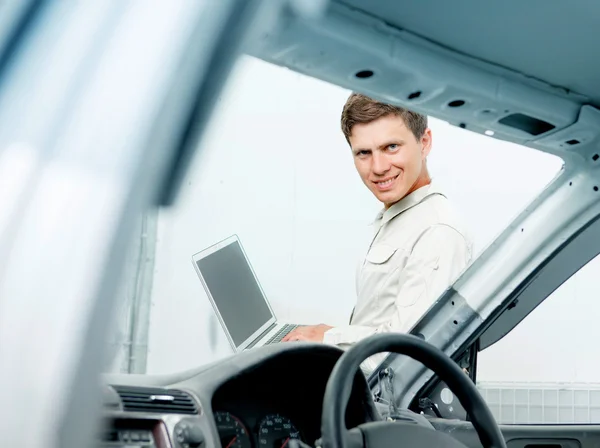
[[235, 291]]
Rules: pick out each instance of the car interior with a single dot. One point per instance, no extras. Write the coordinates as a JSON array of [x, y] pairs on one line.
[[522, 72]]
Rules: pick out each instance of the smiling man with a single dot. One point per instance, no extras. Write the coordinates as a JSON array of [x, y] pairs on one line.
[[419, 245]]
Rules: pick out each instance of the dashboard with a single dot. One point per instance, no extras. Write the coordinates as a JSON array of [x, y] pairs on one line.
[[278, 401], [265, 397], [260, 398]]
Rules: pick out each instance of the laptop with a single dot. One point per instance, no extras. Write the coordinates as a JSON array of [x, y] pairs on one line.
[[237, 297]]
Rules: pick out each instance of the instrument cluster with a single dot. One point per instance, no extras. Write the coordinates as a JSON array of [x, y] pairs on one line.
[[272, 431]]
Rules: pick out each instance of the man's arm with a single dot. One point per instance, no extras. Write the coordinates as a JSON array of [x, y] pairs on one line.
[[437, 259]]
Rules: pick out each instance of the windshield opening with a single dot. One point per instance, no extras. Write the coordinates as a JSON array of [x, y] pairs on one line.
[[276, 170]]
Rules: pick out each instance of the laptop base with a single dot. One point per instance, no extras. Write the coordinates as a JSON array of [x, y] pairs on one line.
[[275, 338]]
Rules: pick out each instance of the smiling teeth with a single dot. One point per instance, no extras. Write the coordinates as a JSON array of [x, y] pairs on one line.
[[386, 183]]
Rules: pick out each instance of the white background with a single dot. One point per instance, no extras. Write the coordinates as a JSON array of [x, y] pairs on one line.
[[276, 169]]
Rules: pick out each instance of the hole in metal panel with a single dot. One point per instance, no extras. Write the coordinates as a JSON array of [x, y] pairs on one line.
[[363, 74], [456, 103], [525, 123]]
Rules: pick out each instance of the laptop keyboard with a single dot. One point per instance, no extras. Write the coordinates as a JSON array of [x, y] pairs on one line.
[[283, 331]]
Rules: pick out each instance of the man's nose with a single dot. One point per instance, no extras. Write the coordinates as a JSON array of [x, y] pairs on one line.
[[380, 163]]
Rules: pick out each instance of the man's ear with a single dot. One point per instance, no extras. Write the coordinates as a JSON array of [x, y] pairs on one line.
[[426, 141]]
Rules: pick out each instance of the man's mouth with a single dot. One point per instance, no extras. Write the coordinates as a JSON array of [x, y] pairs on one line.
[[385, 183]]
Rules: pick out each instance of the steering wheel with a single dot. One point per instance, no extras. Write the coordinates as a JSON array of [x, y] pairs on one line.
[[384, 434]]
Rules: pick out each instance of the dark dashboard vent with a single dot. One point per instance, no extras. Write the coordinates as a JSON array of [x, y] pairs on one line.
[[158, 400]]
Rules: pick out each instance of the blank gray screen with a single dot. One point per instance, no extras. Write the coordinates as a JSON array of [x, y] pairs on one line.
[[235, 291]]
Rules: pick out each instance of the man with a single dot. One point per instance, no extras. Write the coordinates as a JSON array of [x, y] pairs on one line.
[[420, 246]]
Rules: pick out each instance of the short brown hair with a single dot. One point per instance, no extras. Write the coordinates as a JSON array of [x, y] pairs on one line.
[[360, 109]]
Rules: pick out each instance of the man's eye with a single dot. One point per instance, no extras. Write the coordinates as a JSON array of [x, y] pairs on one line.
[[393, 147], [362, 153]]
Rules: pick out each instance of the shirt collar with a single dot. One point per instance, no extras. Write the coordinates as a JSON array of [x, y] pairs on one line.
[[408, 201]]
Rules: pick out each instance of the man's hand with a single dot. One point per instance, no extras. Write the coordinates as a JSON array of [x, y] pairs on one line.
[[313, 333]]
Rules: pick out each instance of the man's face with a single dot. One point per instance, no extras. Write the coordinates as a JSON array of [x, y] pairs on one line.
[[389, 159]]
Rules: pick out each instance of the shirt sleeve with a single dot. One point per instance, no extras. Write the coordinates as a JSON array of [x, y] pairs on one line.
[[437, 259]]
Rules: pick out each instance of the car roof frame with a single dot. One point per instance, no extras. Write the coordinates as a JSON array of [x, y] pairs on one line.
[[348, 44]]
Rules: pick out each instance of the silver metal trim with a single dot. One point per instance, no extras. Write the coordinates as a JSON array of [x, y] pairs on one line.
[[162, 398]]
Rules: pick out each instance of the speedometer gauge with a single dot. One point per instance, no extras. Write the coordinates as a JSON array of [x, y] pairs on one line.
[[275, 431], [232, 432]]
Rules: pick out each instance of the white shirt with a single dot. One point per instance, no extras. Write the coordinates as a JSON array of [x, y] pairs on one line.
[[419, 249]]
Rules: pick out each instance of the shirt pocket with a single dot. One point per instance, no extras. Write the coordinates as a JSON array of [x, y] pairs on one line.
[[381, 263], [380, 255]]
